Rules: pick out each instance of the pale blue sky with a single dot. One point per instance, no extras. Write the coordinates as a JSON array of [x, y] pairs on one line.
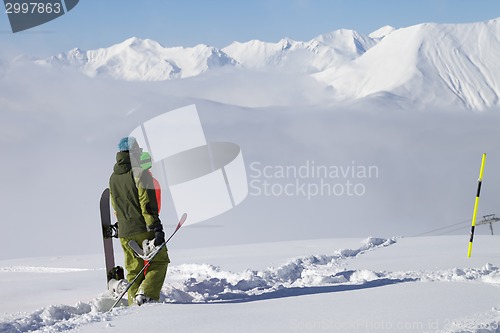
[[101, 23]]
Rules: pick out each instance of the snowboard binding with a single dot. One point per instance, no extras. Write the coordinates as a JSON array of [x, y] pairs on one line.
[[110, 231], [117, 273]]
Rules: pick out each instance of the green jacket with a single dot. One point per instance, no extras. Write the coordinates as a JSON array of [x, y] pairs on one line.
[[133, 197]]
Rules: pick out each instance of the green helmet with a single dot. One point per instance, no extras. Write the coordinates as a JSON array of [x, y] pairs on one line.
[[145, 161]]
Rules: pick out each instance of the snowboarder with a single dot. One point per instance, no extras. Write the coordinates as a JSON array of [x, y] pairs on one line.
[[134, 200]]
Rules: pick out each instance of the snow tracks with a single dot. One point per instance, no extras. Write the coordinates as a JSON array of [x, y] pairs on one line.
[[204, 283], [195, 283]]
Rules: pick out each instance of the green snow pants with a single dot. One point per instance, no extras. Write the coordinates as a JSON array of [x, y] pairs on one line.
[[151, 283]]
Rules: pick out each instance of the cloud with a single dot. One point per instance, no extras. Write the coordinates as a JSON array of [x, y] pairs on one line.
[[61, 129]]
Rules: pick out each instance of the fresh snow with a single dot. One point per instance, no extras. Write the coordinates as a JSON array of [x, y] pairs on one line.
[[400, 284]]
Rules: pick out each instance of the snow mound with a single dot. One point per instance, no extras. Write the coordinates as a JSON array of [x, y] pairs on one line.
[[195, 283], [312, 274], [201, 283], [56, 318]]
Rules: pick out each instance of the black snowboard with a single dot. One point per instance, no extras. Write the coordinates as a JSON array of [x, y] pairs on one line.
[[109, 231]]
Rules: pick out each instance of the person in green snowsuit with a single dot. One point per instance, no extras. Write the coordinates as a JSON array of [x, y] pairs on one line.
[[134, 200]]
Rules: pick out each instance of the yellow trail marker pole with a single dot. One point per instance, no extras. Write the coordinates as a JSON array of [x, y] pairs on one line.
[[476, 203]]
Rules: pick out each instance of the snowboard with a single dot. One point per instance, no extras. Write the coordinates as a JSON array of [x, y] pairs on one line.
[[109, 231]]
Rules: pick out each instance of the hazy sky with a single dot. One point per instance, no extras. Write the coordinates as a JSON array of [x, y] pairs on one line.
[[97, 23]]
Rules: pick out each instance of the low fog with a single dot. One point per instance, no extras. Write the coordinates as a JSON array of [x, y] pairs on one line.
[[60, 130]]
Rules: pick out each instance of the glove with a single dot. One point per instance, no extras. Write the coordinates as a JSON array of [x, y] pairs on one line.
[[159, 237]]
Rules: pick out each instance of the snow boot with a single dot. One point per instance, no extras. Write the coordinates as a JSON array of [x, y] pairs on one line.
[[140, 299], [116, 287]]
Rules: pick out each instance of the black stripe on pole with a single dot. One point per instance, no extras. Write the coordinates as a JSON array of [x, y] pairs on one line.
[[472, 233], [479, 182]]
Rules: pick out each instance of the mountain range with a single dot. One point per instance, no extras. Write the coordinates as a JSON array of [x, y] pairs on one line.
[[445, 64]]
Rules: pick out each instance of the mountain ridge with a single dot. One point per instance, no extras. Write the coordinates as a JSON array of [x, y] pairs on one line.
[[449, 64], [453, 63]]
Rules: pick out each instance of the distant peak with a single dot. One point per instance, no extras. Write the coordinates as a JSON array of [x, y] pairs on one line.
[[138, 42], [132, 41], [336, 34], [76, 51], [203, 47], [285, 43], [382, 32]]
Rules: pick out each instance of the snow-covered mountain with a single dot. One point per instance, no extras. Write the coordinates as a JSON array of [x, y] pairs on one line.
[[448, 63], [382, 32], [322, 52], [444, 64], [145, 60]]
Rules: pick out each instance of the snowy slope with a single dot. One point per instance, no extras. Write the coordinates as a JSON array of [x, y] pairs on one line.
[[339, 285], [381, 32], [453, 64]]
